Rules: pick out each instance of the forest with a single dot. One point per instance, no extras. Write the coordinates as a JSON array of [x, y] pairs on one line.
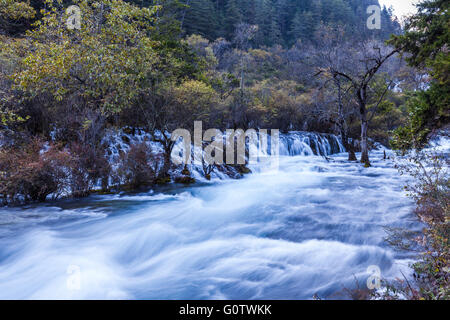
[[149, 67]]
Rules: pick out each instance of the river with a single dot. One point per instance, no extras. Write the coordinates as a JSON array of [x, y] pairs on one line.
[[312, 227]]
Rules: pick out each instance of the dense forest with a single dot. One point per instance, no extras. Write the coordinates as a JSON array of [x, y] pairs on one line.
[[155, 66], [280, 22]]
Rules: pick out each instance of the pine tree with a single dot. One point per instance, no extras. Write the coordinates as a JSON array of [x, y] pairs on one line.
[[303, 26], [200, 18], [281, 21], [233, 17]]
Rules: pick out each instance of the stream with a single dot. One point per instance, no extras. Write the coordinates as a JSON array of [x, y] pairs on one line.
[[312, 227]]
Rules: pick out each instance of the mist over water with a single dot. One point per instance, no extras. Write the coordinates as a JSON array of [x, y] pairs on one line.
[[312, 227]]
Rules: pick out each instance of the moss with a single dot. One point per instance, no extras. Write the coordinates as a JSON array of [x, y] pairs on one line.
[[244, 170], [103, 192], [129, 131], [185, 171], [185, 180], [164, 180]]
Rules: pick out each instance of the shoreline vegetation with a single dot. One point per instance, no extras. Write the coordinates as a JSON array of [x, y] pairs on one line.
[[431, 193], [132, 161], [297, 66]]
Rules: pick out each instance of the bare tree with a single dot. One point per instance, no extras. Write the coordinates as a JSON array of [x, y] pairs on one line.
[[334, 104], [243, 34], [357, 63]]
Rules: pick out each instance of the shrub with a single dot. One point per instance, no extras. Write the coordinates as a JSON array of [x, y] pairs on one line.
[[139, 167], [88, 166], [431, 191], [32, 172]]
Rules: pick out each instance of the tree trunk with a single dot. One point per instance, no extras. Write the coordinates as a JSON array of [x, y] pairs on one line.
[[168, 147], [348, 146], [166, 167], [364, 142], [351, 152]]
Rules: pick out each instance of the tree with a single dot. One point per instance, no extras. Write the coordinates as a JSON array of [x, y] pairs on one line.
[[105, 63], [15, 15], [176, 106], [201, 18], [244, 33], [357, 63], [335, 104], [425, 44], [233, 17], [303, 26]]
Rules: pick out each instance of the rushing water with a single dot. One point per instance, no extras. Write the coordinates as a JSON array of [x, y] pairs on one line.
[[312, 227]]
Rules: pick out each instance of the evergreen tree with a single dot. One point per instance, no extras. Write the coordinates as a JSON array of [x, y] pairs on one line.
[[281, 21], [200, 18], [233, 17], [303, 26], [427, 39]]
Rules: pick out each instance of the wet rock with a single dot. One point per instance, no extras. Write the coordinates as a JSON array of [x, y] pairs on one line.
[[244, 170], [129, 131], [185, 171], [126, 139], [163, 180], [185, 180]]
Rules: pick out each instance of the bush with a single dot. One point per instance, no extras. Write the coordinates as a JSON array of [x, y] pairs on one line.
[[431, 192], [32, 172], [88, 166], [139, 167]]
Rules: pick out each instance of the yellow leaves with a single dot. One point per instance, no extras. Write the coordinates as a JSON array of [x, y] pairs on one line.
[[193, 91], [16, 10], [86, 124], [260, 54], [193, 98], [8, 117], [196, 41], [108, 62]]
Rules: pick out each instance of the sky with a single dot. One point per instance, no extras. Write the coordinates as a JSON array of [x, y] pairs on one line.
[[401, 7]]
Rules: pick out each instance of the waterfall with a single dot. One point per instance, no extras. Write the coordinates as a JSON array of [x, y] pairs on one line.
[[294, 143], [298, 143]]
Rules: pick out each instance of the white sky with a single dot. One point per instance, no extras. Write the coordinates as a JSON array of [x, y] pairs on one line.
[[401, 7]]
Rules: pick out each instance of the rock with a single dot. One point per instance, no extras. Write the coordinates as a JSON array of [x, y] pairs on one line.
[[185, 171], [129, 131], [126, 139], [244, 170], [313, 147], [163, 180], [184, 180]]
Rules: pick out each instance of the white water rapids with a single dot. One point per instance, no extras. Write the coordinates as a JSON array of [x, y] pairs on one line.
[[312, 227]]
